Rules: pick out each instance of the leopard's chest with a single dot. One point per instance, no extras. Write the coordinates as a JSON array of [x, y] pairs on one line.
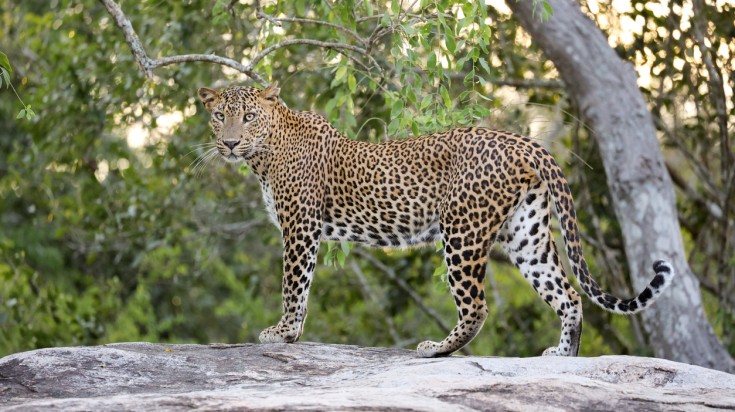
[[270, 202]]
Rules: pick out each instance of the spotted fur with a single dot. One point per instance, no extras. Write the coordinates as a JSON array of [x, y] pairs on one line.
[[467, 187]]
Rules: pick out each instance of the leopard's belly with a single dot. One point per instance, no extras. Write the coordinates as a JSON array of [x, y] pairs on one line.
[[383, 234], [385, 218]]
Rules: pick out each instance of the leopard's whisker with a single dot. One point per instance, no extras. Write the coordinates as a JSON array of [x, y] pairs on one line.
[[197, 159], [202, 160], [203, 144], [197, 149], [199, 170]]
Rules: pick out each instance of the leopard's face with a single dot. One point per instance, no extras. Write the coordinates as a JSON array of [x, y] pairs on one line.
[[241, 119]]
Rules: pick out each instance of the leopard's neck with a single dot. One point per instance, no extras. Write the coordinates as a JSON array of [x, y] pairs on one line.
[[260, 163], [289, 129]]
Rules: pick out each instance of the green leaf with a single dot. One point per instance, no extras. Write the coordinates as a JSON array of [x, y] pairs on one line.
[[483, 63], [352, 82], [385, 21], [489, 99], [4, 76], [21, 114], [29, 112], [5, 63], [450, 41], [549, 10], [397, 109], [469, 78], [439, 246], [393, 126], [341, 257], [341, 72], [483, 7], [431, 62], [368, 8], [345, 246], [439, 271], [425, 102], [445, 96]]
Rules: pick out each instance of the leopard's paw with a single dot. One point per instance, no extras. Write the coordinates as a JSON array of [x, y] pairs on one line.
[[552, 351], [278, 334]]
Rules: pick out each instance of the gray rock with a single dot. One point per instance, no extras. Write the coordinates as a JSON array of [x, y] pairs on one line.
[[309, 376]]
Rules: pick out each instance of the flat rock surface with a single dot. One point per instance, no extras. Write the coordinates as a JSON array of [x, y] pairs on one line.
[[309, 376]]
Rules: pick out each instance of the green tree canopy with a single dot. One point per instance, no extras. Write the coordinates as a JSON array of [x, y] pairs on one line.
[[112, 229]]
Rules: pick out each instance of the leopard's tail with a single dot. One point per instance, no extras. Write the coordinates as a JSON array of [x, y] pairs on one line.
[[549, 171]]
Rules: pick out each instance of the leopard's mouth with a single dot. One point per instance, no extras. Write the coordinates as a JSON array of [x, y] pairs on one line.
[[239, 153], [233, 158]]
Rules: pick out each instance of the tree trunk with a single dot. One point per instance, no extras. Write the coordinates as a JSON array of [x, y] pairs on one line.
[[604, 89]]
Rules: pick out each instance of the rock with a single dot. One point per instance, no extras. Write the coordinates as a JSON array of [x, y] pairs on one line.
[[309, 376]]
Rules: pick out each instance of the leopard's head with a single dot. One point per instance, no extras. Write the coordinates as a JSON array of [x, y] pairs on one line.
[[241, 119]]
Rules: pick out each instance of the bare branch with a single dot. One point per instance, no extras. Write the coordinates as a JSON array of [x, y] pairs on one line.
[[370, 296], [322, 44], [260, 14], [210, 58], [391, 274], [709, 187], [419, 17], [147, 64], [518, 83], [408, 290], [277, 21], [692, 194], [715, 85], [130, 37]]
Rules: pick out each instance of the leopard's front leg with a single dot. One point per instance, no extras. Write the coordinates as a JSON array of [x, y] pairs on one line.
[[300, 247]]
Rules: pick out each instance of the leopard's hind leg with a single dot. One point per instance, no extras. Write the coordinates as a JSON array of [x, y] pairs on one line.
[[527, 238], [466, 258], [469, 225]]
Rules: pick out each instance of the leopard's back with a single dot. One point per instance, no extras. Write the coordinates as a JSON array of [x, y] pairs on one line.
[[390, 194]]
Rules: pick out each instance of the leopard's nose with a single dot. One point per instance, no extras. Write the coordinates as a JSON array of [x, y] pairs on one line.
[[231, 143]]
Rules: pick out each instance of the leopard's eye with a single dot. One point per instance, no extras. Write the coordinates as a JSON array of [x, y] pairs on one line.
[[219, 116], [248, 117]]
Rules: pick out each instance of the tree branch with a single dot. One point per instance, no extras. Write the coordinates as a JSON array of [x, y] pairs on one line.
[[210, 58], [391, 274], [408, 290], [518, 83], [323, 44], [130, 36], [369, 295], [691, 193], [147, 64], [277, 21]]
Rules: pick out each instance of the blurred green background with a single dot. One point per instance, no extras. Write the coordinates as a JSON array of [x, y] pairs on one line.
[[109, 233]]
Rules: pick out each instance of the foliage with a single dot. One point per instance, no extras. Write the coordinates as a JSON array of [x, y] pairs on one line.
[[5, 71], [108, 233]]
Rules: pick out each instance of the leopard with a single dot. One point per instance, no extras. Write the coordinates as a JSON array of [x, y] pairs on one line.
[[467, 187]]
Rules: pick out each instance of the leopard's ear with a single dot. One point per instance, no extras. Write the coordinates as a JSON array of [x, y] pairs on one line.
[[270, 93], [208, 97]]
